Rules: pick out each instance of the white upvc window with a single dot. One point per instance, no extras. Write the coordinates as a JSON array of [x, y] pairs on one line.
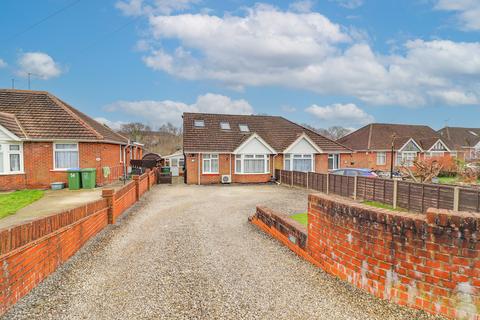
[[434, 154], [65, 155], [252, 163], [11, 158], [333, 161], [299, 162], [381, 158], [406, 158], [210, 163]]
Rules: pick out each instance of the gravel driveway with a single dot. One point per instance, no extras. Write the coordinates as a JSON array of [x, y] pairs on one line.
[[188, 252]]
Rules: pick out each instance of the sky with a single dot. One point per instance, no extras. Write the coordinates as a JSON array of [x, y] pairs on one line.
[[319, 62]]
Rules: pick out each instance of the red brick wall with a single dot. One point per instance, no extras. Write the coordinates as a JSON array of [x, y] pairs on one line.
[[430, 262], [368, 160], [38, 165], [30, 252]]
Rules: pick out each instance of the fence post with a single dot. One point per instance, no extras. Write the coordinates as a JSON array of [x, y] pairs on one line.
[[109, 195], [328, 183], [307, 178], [291, 180], [456, 198], [395, 193], [355, 179], [137, 187]]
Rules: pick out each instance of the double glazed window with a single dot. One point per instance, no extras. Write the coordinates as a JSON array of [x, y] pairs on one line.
[[299, 162], [11, 158], [381, 158], [65, 156], [210, 163], [406, 158], [252, 163], [333, 161]]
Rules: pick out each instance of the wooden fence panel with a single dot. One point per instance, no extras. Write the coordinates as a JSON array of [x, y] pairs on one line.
[[317, 181], [469, 200], [300, 179]]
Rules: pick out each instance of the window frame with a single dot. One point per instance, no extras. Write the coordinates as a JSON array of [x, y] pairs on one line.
[[6, 152], [381, 154], [198, 121], [335, 164], [55, 150], [245, 126], [226, 124], [251, 156], [211, 156], [401, 156], [291, 157]]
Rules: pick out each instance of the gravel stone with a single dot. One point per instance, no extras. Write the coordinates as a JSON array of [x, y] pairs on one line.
[[188, 252]]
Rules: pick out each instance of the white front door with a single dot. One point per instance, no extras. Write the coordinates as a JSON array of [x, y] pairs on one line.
[[174, 171]]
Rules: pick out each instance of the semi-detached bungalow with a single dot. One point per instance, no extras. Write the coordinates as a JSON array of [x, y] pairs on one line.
[[41, 137], [248, 148], [466, 140], [372, 145]]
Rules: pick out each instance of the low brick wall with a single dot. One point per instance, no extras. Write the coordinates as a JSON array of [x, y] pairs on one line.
[[426, 261], [30, 252], [429, 262]]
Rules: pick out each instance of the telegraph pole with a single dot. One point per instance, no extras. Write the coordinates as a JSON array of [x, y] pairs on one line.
[[391, 155]]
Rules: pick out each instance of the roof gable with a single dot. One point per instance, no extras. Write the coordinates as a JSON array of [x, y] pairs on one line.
[[6, 135], [303, 145], [411, 145], [254, 145]]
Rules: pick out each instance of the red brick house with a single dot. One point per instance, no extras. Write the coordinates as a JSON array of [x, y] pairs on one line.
[[248, 148], [465, 140], [41, 137], [372, 145]]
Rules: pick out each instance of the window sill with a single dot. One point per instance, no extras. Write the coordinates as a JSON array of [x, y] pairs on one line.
[[211, 174], [12, 173], [251, 174], [58, 170]]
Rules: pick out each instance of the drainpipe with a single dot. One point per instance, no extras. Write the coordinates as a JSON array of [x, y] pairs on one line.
[[230, 160], [273, 165], [198, 165]]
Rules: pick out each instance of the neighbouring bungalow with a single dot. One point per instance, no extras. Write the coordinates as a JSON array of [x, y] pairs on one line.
[[41, 137], [372, 145], [466, 140], [248, 148]]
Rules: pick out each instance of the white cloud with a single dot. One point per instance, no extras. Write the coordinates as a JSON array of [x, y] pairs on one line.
[[340, 114], [39, 64], [3, 64], [302, 6], [267, 46], [159, 112], [144, 7], [115, 125], [349, 4], [468, 12]]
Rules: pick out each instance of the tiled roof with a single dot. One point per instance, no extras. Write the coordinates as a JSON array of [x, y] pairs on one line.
[[461, 137], [40, 115], [378, 136], [278, 132], [10, 122]]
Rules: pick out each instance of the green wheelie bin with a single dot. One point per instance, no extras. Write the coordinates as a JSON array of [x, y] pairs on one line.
[[74, 179], [89, 178]]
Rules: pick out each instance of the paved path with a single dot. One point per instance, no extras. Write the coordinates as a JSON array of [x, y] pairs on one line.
[[188, 252]]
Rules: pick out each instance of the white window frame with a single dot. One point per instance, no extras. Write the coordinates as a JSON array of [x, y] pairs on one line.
[[243, 127], [291, 157], [402, 156], [336, 164], [6, 152], [55, 150], [240, 158], [207, 158], [432, 154], [198, 123], [381, 155], [225, 125]]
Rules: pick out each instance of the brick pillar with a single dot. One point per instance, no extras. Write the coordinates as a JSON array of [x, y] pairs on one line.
[[137, 187], [109, 195], [148, 179]]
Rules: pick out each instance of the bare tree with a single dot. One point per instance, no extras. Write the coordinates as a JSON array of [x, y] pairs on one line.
[[334, 133], [134, 130]]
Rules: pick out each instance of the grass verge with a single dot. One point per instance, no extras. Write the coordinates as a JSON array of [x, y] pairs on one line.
[[300, 217], [12, 202], [380, 205]]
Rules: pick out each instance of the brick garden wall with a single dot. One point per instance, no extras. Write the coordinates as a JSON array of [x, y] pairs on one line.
[[426, 261], [30, 252]]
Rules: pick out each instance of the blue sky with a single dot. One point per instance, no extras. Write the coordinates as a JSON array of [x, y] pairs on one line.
[[324, 62]]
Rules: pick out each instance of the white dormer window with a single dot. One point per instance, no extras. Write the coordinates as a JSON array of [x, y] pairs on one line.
[[243, 128], [225, 125], [199, 123]]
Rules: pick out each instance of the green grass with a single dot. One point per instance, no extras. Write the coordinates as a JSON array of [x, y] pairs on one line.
[[451, 180], [380, 205], [300, 217], [12, 202]]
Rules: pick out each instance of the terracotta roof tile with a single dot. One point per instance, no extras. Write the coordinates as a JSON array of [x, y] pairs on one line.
[[378, 136], [43, 116], [278, 132]]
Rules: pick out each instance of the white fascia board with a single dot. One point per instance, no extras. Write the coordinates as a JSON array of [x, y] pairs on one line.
[[303, 136]]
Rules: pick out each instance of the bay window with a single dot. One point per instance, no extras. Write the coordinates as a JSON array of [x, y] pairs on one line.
[[11, 158], [252, 163], [65, 156], [210, 163], [299, 162]]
